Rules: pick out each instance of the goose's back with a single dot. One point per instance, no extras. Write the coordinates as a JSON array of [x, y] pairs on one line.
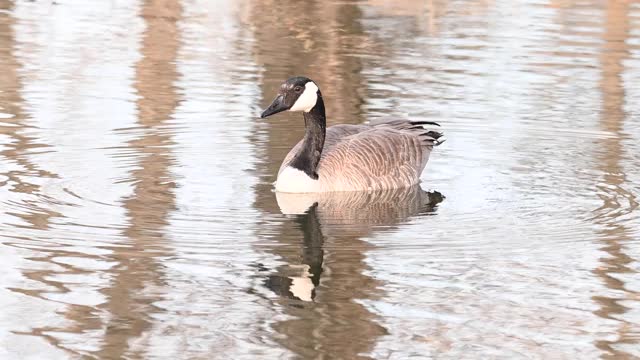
[[374, 159], [363, 157]]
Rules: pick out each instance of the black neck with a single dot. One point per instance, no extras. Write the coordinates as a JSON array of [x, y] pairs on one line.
[[315, 124]]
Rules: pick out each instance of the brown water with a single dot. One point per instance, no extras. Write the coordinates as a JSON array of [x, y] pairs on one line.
[[138, 218]]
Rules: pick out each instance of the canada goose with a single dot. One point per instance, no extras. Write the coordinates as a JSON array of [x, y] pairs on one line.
[[389, 155]]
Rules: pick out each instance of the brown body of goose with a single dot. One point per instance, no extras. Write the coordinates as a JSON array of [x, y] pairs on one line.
[[387, 155]]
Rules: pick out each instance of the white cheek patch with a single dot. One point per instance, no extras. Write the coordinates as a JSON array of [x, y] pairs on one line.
[[308, 99]]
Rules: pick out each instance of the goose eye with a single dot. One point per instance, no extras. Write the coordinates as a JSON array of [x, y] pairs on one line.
[[297, 89]]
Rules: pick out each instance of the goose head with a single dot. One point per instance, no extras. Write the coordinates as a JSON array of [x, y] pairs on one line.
[[296, 94]]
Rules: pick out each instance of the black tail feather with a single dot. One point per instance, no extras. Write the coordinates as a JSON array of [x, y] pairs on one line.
[[435, 135], [424, 123]]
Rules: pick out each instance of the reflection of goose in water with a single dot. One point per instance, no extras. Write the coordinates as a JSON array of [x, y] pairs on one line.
[[343, 157], [341, 214]]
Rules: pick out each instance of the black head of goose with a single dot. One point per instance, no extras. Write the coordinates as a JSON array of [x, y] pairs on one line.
[[387, 155]]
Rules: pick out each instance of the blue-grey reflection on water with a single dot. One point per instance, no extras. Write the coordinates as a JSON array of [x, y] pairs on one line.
[[139, 218]]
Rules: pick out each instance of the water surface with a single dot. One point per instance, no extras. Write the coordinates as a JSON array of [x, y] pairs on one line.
[[138, 218]]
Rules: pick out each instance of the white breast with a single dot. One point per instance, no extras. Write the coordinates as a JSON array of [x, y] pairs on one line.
[[296, 181]]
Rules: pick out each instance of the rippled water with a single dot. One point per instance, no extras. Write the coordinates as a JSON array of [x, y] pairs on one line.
[[138, 218]]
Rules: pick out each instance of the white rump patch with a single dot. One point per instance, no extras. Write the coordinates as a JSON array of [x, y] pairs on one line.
[[308, 99], [293, 180]]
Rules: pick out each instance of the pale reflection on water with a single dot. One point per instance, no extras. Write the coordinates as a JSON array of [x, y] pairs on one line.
[[135, 181]]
